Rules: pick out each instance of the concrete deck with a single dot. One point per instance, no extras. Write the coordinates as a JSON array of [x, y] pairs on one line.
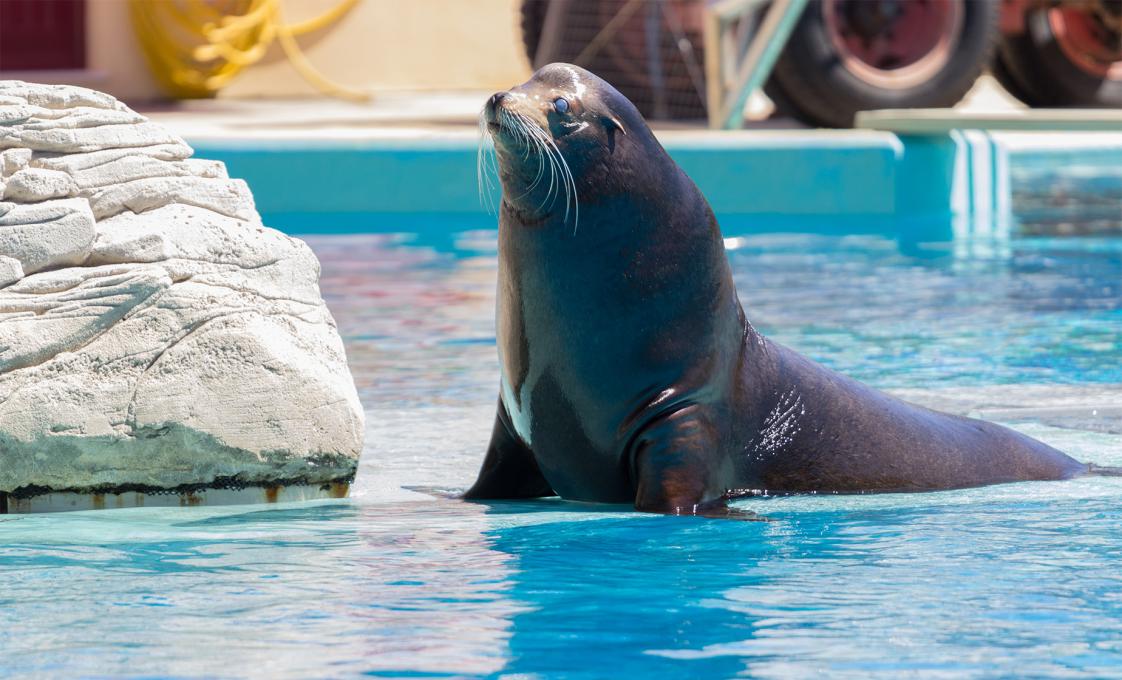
[[412, 115]]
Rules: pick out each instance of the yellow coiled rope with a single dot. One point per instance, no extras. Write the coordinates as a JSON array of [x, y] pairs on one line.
[[196, 47]]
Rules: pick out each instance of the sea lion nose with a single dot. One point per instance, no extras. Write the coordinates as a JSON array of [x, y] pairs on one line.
[[494, 103]]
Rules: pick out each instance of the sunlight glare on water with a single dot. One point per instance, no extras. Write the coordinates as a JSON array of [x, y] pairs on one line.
[[1021, 579]]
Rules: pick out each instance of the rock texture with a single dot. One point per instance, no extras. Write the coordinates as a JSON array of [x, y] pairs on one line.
[[153, 333]]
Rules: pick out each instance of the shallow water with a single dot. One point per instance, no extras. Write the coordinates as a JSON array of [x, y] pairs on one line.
[[1021, 579]]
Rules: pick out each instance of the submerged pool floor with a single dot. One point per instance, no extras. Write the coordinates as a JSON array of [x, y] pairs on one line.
[[1021, 579]]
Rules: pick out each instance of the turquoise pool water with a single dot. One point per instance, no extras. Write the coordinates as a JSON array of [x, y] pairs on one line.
[[1017, 580]]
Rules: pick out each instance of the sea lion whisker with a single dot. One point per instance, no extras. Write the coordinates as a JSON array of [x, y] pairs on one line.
[[537, 179], [547, 157], [570, 186], [529, 130], [492, 159], [518, 122], [490, 167], [542, 143], [485, 150], [556, 173], [538, 138], [539, 176], [541, 173], [524, 139], [479, 158], [534, 139], [509, 121], [569, 182]]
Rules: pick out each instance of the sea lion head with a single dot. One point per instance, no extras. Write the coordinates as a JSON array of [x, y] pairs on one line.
[[557, 134]]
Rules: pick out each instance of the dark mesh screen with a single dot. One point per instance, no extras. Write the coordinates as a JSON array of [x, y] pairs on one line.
[[651, 50]]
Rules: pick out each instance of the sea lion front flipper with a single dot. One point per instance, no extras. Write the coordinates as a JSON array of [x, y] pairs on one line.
[[509, 469], [675, 470]]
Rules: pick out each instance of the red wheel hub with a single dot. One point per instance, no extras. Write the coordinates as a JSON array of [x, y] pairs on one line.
[[1087, 42], [894, 44]]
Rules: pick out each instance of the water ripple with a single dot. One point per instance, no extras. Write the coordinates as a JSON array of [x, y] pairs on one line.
[[1015, 580]]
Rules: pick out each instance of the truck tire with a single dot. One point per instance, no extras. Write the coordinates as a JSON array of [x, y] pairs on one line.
[[1066, 56], [846, 56]]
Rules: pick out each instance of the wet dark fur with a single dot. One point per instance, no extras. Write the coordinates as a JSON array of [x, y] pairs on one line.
[[630, 373]]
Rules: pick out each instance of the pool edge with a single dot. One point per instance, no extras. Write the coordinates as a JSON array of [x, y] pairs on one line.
[[71, 501]]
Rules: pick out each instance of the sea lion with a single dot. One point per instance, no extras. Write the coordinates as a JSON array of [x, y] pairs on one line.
[[629, 370]]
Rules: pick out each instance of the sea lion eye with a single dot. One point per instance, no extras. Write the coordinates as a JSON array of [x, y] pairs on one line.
[[561, 105]]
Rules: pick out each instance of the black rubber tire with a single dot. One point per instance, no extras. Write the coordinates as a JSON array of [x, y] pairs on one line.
[[1023, 92], [1042, 74], [783, 106], [823, 92], [687, 105]]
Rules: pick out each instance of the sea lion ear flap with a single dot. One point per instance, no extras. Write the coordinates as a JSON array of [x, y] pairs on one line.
[[612, 123]]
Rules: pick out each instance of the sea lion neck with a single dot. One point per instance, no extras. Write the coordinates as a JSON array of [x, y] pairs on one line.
[[648, 255]]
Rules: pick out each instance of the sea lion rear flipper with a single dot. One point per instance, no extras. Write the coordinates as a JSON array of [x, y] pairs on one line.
[[1103, 470], [674, 465], [509, 469]]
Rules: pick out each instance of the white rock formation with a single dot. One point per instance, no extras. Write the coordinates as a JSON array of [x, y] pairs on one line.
[[153, 333]]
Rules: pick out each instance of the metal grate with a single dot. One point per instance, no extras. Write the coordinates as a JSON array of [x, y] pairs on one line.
[[650, 50]]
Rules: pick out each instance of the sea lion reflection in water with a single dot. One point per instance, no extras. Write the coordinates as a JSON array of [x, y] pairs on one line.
[[630, 373]]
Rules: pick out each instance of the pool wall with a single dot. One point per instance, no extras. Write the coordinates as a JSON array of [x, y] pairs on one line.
[[970, 179]]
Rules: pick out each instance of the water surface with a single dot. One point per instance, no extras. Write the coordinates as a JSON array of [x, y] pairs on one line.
[[1021, 579]]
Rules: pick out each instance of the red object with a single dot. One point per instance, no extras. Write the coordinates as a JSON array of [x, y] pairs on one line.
[[1086, 42], [1013, 16], [37, 35]]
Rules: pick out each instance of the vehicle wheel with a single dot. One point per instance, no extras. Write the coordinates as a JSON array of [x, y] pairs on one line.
[[1066, 56], [1023, 92], [782, 102], [846, 56], [675, 91]]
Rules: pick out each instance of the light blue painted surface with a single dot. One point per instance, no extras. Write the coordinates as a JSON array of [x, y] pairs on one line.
[[961, 179], [805, 173]]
